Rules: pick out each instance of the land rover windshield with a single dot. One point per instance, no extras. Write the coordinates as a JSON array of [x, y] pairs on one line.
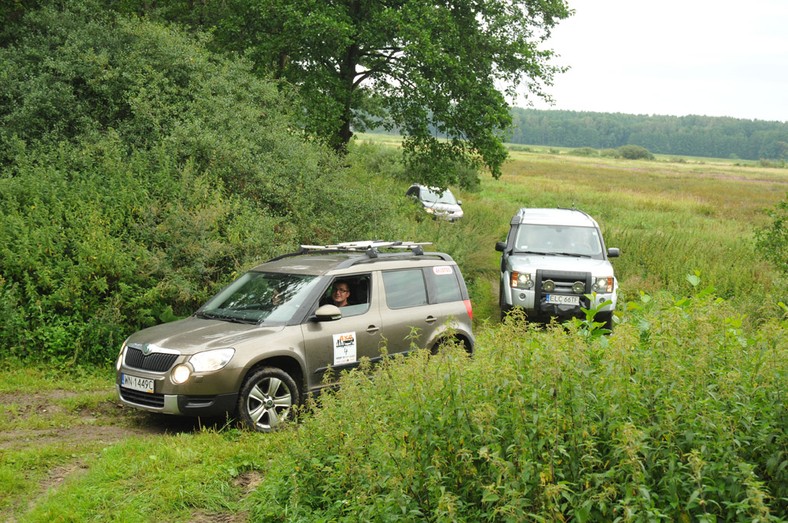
[[558, 240], [260, 297]]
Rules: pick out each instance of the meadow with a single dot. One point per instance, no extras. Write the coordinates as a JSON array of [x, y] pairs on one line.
[[679, 415]]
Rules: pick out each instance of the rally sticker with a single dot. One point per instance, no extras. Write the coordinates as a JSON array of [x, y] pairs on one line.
[[442, 269], [344, 348]]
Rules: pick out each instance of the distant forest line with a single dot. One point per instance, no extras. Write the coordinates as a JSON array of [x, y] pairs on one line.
[[706, 136]]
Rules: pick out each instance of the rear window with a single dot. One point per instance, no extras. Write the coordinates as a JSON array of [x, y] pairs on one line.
[[447, 288]]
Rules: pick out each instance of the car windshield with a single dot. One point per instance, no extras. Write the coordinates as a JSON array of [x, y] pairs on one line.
[[259, 297], [437, 196], [559, 239]]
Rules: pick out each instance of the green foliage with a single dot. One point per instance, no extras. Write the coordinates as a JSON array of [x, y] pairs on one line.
[[678, 416], [426, 69], [635, 152], [584, 151], [772, 240], [138, 173]]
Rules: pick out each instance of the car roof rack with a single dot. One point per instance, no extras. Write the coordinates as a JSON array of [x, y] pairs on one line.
[[370, 247]]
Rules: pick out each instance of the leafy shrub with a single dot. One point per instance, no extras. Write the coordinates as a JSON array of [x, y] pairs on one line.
[[772, 240], [678, 417], [584, 151], [635, 152], [139, 173]]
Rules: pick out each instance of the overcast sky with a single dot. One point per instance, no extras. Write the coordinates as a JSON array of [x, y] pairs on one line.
[[674, 57]]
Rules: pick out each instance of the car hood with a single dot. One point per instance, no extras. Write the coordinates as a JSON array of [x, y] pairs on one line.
[[531, 262], [193, 334]]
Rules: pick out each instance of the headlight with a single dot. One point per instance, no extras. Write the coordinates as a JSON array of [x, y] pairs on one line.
[[579, 287], [429, 210], [522, 281], [211, 360], [604, 284], [548, 285]]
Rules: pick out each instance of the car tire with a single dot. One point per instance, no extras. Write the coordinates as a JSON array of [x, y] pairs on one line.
[[267, 399], [505, 307]]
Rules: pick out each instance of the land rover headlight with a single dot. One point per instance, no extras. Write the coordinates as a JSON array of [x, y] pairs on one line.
[[211, 360], [522, 281], [604, 284]]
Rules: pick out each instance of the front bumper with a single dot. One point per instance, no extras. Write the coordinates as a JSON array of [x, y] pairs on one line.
[[178, 404]]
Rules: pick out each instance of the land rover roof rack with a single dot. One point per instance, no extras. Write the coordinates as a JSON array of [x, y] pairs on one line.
[[370, 247]]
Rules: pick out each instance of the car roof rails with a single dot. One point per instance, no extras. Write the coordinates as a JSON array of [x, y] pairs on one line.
[[370, 247]]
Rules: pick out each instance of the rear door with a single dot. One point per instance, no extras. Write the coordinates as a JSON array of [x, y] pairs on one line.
[[420, 304]]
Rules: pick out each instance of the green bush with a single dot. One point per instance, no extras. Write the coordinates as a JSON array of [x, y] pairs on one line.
[[584, 151], [152, 174], [678, 417], [772, 240], [635, 152]]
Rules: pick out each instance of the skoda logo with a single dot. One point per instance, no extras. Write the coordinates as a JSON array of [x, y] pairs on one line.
[[146, 349]]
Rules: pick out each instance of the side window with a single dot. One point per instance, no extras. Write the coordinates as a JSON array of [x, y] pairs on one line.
[[349, 293], [446, 286], [405, 288]]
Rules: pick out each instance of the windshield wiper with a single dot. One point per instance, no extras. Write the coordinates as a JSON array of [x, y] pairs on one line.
[[223, 317]]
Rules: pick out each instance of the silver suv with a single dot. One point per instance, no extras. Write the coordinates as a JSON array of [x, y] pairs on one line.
[[440, 203], [554, 262], [261, 344]]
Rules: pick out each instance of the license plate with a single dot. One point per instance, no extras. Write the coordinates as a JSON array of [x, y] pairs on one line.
[[560, 299], [136, 383]]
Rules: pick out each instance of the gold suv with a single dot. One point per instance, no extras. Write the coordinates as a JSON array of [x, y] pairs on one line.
[[256, 348]]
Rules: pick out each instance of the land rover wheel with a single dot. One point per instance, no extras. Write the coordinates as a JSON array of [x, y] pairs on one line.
[[267, 399], [505, 307]]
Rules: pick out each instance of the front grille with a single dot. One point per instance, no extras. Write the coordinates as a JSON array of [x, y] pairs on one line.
[[156, 361], [142, 398], [563, 285]]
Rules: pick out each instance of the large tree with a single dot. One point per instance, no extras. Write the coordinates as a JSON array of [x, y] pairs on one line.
[[430, 69], [440, 72]]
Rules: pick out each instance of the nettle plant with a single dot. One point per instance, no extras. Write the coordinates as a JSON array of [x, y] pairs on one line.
[[677, 416]]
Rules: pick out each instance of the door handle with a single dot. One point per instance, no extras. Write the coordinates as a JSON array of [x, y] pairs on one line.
[[431, 319], [372, 329]]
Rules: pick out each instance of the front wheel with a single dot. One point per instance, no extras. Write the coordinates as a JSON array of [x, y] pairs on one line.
[[267, 399]]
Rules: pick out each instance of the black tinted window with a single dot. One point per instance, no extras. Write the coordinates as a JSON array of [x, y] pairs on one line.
[[405, 288]]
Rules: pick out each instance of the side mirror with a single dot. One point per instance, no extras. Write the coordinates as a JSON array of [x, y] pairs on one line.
[[459, 202], [328, 312], [500, 246], [613, 252]]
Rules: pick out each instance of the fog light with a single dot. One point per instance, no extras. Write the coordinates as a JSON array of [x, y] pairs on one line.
[[180, 374], [548, 285], [578, 287]]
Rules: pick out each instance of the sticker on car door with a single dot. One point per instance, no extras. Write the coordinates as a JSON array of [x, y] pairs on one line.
[[344, 348]]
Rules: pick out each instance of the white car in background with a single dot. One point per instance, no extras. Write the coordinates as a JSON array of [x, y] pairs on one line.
[[440, 203]]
